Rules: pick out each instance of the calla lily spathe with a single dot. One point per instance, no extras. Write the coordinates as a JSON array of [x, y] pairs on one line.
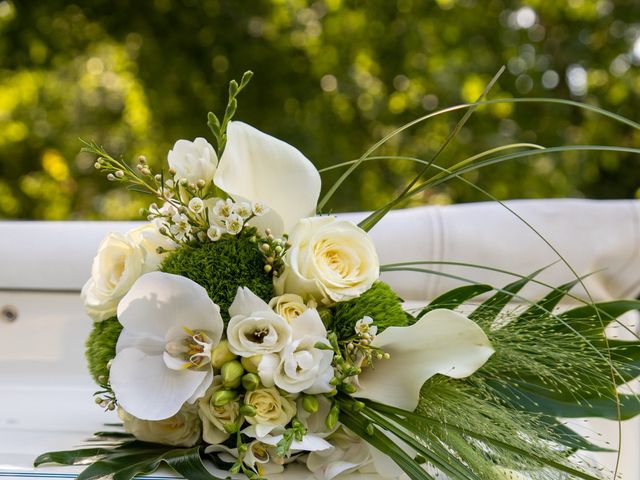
[[442, 341], [163, 355], [257, 167]]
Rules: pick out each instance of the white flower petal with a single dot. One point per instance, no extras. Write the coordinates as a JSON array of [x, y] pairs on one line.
[[267, 369], [148, 344], [147, 389], [259, 167], [246, 302], [308, 323], [442, 341], [158, 301]]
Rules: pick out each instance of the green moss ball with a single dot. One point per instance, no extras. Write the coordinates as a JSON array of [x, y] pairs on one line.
[[221, 267], [101, 347], [379, 302]]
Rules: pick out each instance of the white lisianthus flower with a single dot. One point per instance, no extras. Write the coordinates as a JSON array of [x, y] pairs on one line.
[[300, 366], [181, 430], [255, 329], [256, 167], [331, 260], [350, 454], [215, 418], [163, 355], [290, 306], [441, 342], [194, 161], [273, 411]]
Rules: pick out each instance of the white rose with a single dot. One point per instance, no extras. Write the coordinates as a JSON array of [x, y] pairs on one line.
[[150, 239], [181, 430], [194, 161], [289, 306], [255, 329], [118, 264], [214, 418], [300, 366], [272, 410], [330, 260]]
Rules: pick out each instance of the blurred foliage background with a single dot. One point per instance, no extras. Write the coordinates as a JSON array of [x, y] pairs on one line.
[[331, 77]]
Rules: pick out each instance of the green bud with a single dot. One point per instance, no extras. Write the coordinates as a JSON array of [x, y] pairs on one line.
[[348, 388], [250, 364], [370, 429], [248, 410], [221, 354], [250, 381], [310, 403], [222, 397], [358, 405], [322, 346], [231, 373], [332, 419], [334, 381], [231, 427]]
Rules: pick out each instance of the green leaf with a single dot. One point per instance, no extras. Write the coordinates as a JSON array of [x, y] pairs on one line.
[[233, 88], [246, 77], [532, 398], [70, 457], [214, 124], [491, 307], [591, 320], [456, 297], [548, 303]]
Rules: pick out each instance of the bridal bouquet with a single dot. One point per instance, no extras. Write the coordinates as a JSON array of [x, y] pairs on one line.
[[239, 334]]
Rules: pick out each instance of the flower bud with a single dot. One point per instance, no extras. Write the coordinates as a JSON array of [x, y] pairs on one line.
[[250, 364], [332, 419], [221, 354], [222, 397], [230, 427], [310, 403], [231, 373], [250, 381], [201, 183], [248, 410]]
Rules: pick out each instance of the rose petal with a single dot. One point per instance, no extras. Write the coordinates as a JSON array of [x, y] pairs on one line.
[[147, 389], [159, 301], [259, 167], [442, 341]]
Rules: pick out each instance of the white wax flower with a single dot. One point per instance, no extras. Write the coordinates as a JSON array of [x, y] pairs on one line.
[[181, 226], [442, 341], [163, 355], [364, 325], [255, 329], [214, 418], [196, 205], [181, 430], [256, 167], [331, 260], [194, 161], [273, 411], [300, 366], [214, 233]]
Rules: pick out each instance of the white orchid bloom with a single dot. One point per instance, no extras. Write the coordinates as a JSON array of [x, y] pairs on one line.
[[163, 354], [257, 167], [442, 341]]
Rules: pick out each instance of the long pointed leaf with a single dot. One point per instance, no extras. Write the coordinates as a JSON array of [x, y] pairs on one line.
[[456, 297]]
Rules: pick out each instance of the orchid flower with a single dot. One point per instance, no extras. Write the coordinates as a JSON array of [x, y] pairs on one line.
[[257, 167], [163, 355], [442, 341]]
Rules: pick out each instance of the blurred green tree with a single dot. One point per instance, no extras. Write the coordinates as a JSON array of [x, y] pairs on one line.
[[331, 77]]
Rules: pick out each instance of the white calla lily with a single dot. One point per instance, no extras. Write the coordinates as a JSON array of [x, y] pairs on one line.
[[442, 341], [163, 354], [257, 167]]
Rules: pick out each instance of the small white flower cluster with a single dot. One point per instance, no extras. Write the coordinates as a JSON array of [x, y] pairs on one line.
[[203, 220]]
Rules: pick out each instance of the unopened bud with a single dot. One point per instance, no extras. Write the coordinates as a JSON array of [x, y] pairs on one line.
[[268, 268], [250, 381], [201, 183], [119, 173], [172, 171], [231, 373], [111, 177], [348, 388], [310, 403], [97, 165], [250, 364], [222, 397], [158, 177], [142, 159], [221, 353], [230, 427], [332, 419], [145, 171], [248, 410], [183, 181]]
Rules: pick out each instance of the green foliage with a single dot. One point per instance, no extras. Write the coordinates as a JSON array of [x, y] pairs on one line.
[[379, 302], [101, 347], [97, 70], [221, 267]]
